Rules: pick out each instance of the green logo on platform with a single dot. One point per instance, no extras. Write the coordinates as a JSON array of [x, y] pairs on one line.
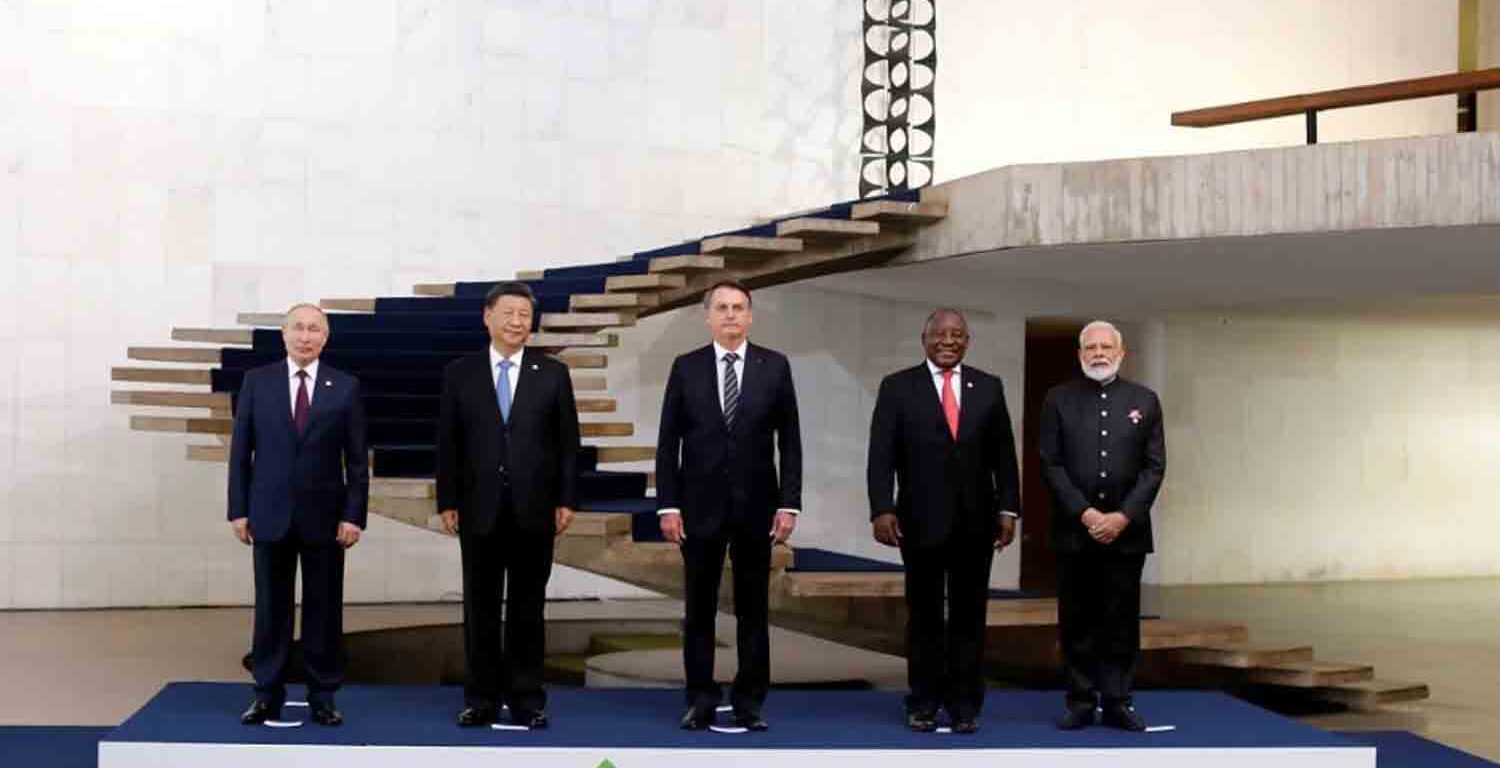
[[605, 764]]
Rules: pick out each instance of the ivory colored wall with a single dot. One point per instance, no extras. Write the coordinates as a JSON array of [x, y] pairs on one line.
[[171, 163], [1095, 79], [1312, 443], [840, 346]]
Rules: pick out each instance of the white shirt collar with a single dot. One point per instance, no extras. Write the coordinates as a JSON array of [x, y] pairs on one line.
[[720, 351], [291, 370], [958, 370], [496, 357]]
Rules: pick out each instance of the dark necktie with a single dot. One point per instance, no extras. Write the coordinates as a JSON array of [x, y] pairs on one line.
[[731, 389], [299, 411]]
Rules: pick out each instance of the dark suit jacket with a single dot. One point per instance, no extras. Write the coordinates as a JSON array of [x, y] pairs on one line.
[[1102, 446], [477, 451], [711, 471], [318, 479], [934, 484]]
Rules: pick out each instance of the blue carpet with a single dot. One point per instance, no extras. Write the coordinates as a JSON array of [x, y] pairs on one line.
[[813, 560], [1403, 749], [623, 718], [50, 746]]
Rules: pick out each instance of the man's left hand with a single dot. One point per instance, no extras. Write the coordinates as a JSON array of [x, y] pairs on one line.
[[1109, 527], [1005, 532], [564, 519], [348, 534], [781, 527]]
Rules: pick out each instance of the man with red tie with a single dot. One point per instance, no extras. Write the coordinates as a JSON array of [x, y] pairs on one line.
[[298, 490], [944, 488]]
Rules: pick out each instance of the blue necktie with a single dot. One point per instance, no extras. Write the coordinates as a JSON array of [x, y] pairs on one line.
[[502, 390]]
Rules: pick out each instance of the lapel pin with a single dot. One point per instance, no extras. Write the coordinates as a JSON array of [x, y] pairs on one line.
[[328, 382], [969, 384], [535, 367], [1135, 416]]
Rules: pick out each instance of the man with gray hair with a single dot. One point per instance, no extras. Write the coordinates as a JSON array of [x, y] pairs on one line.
[[1103, 456], [298, 490]]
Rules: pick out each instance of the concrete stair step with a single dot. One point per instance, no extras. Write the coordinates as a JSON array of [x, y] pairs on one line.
[[823, 230], [182, 424], [890, 212], [1242, 656], [1374, 693], [348, 305], [582, 302], [162, 399], [225, 336], [586, 321], [606, 429], [554, 340], [648, 282], [202, 376], [743, 246], [209, 453], [433, 289], [204, 355], [1310, 674], [686, 264]]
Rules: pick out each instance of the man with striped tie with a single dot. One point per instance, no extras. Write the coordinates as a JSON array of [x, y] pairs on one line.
[[729, 409], [507, 458]]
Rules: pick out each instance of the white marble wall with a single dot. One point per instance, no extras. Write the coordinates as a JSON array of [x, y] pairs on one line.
[[172, 163], [1489, 56], [1328, 442], [840, 346], [1087, 80]]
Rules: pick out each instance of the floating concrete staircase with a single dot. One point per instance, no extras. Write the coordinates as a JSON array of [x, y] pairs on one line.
[[398, 346]]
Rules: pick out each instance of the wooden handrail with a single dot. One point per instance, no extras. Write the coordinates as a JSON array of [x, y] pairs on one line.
[[1311, 103]]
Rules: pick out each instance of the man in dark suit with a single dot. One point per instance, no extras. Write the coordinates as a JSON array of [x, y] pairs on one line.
[[729, 408], [507, 466], [1103, 456], [298, 489], [943, 487]]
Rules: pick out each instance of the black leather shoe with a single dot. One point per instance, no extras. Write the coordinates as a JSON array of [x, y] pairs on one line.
[[475, 717], [751, 721], [259, 712], [921, 722], [1076, 719], [965, 724], [535, 720], [325, 714], [697, 718], [1124, 717]]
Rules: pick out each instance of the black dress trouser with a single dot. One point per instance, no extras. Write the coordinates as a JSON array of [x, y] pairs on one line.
[[749, 548], [945, 658], [322, 616], [1099, 608]]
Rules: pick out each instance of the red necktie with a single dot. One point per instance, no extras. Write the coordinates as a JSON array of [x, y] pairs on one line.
[[299, 411], [950, 403]]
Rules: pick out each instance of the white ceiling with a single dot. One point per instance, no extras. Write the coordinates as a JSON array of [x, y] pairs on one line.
[[1144, 278]]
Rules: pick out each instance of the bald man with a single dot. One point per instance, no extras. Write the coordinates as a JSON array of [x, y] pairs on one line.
[[1103, 456]]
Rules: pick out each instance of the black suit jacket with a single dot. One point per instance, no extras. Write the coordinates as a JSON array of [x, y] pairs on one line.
[[478, 453], [709, 470], [938, 486], [276, 476], [1102, 446]]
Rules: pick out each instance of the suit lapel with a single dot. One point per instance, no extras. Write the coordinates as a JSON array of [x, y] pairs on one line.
[[282, 396], [929, 403], [753, 382], [708, 366], [320, 395], [528, 380], [972, 402]]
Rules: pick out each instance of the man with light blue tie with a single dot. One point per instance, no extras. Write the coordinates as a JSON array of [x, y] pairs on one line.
[[507, 453]]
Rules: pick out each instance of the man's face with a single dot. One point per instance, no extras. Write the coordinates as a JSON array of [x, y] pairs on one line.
[[304, 332], [729, 316], [1099, 354], [946, 340], [509, 322]]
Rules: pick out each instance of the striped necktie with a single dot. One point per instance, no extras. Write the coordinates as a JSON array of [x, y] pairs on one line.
[[731, 389]]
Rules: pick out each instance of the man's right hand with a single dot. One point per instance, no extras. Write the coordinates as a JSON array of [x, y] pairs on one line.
[[671, 527], [887, 529], [241, 526], [1091, 518], [449, 519]]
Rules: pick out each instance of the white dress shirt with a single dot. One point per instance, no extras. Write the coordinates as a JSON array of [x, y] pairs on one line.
[[958, 397], [739, 375], [514, 374], [312, 382], [739, 367]]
